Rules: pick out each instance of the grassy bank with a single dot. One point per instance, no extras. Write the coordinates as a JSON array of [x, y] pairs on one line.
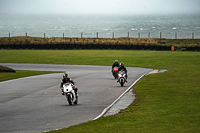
[[21, 74], [117, 41], [165, 102]]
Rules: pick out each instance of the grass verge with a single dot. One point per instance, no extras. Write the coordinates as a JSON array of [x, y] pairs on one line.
[[21, 74], [165, 102]]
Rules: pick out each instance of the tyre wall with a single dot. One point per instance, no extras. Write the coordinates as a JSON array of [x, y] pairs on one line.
[[65, 46]]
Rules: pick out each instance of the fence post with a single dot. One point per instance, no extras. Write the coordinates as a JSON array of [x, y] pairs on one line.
[[113, 35], [81, 35], [139, 35], [9, 35], [128, 34], [26, 34], [175, 35], [149, 35], [44, 35], [63, 35], [97, 35], [160, 35], [192, 35]]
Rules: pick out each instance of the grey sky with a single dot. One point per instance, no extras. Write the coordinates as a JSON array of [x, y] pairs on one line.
[[100, 6]]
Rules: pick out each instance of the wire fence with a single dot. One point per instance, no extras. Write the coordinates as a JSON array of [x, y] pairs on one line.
[[160, 35]]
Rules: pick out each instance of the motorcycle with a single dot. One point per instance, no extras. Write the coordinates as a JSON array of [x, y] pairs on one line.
[[122, 78], [115, 72], [70, 93]]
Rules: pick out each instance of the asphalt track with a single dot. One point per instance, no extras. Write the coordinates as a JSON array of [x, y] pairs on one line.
[[35, 104]]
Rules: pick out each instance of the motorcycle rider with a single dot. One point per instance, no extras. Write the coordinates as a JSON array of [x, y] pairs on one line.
[[116, 64], [66, 79], [123, 68]]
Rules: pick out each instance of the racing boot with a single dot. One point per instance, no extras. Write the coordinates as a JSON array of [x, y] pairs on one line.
[[62, 92]]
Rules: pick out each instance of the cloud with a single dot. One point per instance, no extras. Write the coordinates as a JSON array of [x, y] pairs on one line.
[[99, 6]]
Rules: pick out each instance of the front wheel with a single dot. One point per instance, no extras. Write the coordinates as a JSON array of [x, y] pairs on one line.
[[69, 99], [122, 84]]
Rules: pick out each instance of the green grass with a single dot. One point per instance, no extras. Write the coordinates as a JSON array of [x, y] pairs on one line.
[[21, 74], [167, 102], [150, 59]]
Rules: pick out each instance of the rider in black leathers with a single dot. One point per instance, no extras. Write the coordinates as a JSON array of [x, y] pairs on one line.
[[66, 79], [123, 68], [116, 64]]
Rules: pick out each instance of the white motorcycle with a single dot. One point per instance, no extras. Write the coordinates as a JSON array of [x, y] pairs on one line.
[[122, 78], [70, 93]]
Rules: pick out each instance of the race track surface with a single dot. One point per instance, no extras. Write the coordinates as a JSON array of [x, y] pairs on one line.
[[35, 104]]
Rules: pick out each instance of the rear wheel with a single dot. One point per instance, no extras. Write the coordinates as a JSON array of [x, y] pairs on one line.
[[76, 101]]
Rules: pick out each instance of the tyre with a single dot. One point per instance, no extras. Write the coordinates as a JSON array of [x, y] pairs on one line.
[[69, 98], [76, 101], [122, 84]]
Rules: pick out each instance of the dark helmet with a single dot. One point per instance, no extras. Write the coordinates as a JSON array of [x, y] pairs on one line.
[[65, 75], [121, 64]]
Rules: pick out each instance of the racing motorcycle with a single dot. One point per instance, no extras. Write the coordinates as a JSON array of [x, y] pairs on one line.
[[115, 72], [70, 93], [122, 77]]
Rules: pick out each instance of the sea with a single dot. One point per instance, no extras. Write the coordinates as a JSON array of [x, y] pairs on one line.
[[101, 26]]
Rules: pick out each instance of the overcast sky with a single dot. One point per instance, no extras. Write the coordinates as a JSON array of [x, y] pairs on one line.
[[99, 6]]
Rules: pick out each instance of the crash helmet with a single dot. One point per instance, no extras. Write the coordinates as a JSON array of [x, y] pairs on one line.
[[121, 64], [116, 61], [65, 75]]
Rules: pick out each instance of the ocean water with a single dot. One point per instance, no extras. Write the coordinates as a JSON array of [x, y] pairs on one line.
[[143, 26]]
